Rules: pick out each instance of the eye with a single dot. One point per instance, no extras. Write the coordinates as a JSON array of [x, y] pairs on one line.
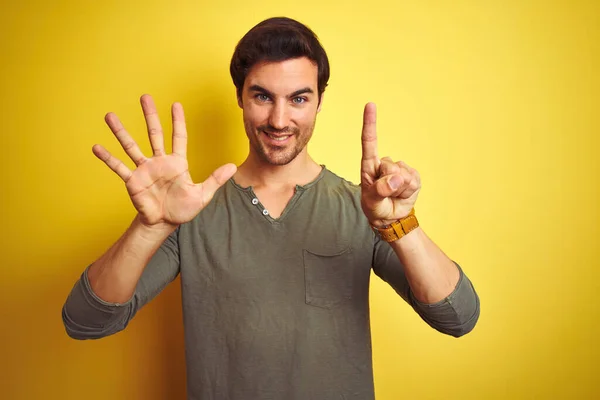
[[299, 100], [261, 97]]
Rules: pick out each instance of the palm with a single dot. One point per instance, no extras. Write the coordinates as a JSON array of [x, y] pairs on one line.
[[161, 188]]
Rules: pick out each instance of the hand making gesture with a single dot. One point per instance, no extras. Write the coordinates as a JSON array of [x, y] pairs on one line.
[[389, 189], [161, 188]]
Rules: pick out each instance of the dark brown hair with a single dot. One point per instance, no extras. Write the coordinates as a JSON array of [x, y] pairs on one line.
[[278, 39]]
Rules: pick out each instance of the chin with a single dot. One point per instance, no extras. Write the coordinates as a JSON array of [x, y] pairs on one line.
[[278, 159]]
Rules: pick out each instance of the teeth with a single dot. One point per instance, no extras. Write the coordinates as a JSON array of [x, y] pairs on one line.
[[278, 138]]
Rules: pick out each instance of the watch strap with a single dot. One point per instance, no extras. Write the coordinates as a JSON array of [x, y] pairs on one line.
[[398, 229]]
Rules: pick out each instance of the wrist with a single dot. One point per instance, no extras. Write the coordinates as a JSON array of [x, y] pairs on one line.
[[397, 229], [152, 232], [382, 223], [385, 223]]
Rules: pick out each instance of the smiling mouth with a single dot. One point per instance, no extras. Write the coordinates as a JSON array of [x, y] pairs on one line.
[[278, 138]]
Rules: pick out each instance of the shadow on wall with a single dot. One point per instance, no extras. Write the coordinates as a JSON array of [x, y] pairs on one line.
[[215, 128], [146, 361], [213, 140]]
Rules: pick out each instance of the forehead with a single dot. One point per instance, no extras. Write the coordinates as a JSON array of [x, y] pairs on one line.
[[283, 77]]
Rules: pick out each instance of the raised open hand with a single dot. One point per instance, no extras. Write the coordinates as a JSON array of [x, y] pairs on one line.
[[389, 189], [161, 188]]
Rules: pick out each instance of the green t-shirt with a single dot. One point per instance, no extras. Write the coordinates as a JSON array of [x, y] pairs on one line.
[[274, 308]]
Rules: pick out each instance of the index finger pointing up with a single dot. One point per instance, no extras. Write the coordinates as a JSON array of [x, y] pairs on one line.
[[369, 132]]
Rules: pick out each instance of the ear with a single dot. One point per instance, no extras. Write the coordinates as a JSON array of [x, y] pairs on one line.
[[320, 102]]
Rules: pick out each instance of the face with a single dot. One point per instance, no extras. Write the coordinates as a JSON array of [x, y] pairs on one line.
[[280, 103]]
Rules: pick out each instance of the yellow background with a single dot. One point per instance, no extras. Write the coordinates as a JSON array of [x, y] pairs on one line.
[[494, 102]]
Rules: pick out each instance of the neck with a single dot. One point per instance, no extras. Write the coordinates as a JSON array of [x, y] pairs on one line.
[[257, 173]]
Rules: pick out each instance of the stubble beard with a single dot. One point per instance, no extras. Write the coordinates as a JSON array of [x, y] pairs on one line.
[[275, 155]]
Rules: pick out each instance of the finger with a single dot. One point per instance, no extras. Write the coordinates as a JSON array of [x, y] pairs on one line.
[[113, 163], [369, 133], [407, 167], [215, 181], [396, 185], [404, 165], [126, 141], [410, 188], [388, 185], [415, 174], [179, 130], [388, 167], [155, 132]]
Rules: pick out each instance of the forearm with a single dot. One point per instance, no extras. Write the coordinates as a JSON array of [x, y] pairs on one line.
[[114, 276], [431, 275]]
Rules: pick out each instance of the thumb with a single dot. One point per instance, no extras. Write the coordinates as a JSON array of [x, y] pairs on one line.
[[388, 185], [215, 181]]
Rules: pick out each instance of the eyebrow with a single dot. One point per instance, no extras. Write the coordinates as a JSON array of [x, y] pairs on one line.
[[258, 88]]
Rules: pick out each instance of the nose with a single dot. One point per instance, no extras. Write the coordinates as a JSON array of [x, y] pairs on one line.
[[279, 118]]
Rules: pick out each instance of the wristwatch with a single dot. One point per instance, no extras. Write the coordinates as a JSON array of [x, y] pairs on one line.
[[397, 229]]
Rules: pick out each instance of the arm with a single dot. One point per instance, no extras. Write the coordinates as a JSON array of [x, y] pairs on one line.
[[114, 276], [113, 289], [455, 313], [416, 267], [432, 276], [146, 257]]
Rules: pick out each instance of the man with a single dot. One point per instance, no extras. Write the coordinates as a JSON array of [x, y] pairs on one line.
[[274, 256]]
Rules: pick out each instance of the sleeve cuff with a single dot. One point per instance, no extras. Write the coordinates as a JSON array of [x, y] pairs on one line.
[[95, 301], [456, 314]]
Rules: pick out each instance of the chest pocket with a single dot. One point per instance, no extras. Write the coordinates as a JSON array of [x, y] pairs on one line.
[[328, 278]]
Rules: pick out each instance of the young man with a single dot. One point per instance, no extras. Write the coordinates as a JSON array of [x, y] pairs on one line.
[[274, 256]]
